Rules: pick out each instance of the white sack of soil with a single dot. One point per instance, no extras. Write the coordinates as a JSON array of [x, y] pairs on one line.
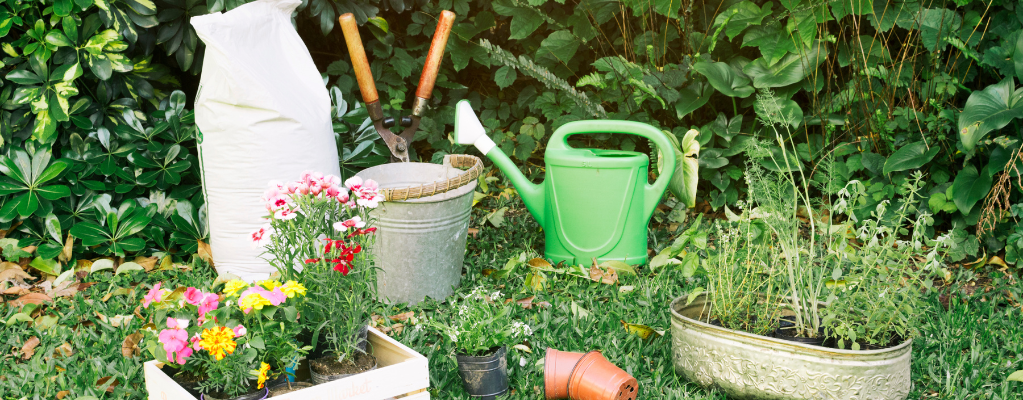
[[264, 114]]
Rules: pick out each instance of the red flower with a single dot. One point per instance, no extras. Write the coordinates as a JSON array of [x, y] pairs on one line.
[[341, 266], [358, 232], [312, 260]]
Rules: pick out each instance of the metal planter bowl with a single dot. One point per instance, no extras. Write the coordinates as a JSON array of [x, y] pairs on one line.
[[748, 366]]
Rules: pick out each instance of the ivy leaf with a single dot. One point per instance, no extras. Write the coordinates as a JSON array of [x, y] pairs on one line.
[[692, 97], [723, 78], [970, 187], [789, 70], [911, 156], [505, 76], [989, 109]]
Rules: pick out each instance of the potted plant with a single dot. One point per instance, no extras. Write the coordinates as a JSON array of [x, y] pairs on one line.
[[793, 299], [218, 343], [315, 233], [480, 331]]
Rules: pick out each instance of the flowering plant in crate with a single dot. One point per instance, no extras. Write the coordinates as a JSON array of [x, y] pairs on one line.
[[315, 233], [482, 325], [221, 343]]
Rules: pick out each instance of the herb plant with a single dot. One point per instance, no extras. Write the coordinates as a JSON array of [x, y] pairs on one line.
[[481, 324]]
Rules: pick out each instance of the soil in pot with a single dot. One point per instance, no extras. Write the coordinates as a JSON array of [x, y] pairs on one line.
[[787, 328], [484, 376], [188, 381], [255, 394], [328, 365], [285, 388]]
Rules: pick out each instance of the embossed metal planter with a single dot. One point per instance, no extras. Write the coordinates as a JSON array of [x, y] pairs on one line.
[[748, 366]]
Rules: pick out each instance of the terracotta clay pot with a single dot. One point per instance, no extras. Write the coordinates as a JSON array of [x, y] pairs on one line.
[[557, 369], [596, 378]]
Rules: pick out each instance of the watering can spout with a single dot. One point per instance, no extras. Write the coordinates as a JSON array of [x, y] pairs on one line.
[[469, 131]]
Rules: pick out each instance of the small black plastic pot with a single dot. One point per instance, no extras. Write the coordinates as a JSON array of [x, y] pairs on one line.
[[256, 395], [484, 376]]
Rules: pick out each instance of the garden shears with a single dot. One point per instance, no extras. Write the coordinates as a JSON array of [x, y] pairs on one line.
[[398, 144]]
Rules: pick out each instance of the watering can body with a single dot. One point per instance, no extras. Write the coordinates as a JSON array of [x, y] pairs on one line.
[[593, 203]]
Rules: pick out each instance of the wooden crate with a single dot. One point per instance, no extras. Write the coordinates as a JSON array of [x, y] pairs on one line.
[[402, 373]]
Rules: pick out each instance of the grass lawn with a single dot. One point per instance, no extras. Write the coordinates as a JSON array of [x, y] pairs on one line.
[[964, 352]]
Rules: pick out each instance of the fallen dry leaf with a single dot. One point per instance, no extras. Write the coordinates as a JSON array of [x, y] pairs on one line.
[[403, 316], [540, 263], [103, 381], [64, 350], [130, 346], [62, 394], [31, 298], [14, 273], [16, 291], [29, 249], [7, 265], [643, 331], [29, 348], [83, 265], [85, 285], [205, 253], [609, 277], [147, 263], [65, 289], [65, 253], [473, 232]]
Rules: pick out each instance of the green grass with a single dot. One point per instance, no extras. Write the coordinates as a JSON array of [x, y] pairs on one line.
[[965, 352]]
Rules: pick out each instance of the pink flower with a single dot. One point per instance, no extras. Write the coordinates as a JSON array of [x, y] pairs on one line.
[[175, 340], [196, 342], [315, 189], [194, 296], [353, 183], [209, 303], [286, 214], [173, 323], [262, 235], [240, 331], [154, 295], [331, 180], [354, 222], [276, 297]]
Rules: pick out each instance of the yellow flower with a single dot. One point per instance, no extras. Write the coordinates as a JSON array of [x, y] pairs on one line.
[[218, 341], [269, 284], [234, 286], [253, 300], [263, 369], [291, 288]]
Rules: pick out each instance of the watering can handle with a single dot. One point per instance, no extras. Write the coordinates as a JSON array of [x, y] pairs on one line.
[[653, 192]]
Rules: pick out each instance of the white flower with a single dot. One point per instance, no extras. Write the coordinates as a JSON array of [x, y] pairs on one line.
[[519, 328], [522, 361], [495, 295], [182, 323]]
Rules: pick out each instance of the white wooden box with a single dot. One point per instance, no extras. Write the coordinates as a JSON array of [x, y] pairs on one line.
[[401, 373]]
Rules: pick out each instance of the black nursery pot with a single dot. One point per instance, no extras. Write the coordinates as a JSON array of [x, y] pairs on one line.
[[484, 376], [256, 395]]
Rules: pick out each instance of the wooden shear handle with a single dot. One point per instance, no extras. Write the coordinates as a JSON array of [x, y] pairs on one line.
[[436, 54], [359, 62]]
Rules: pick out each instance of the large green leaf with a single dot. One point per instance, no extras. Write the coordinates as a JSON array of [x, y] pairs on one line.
[[90, 233], [559, 45], [685, 179], [970, 187], [742, 15], [49, 267], [779, 111], [989, 109], [910, 156], [1017, 57], [723, 78], [692, 97], [790, 69]]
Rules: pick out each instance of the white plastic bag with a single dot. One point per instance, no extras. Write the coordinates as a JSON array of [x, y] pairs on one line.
[[264, 114]]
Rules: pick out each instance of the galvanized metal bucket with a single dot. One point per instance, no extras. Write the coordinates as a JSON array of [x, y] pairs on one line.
[[422, 227]]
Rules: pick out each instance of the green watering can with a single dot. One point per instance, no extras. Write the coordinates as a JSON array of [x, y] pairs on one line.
[[593, 203]]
